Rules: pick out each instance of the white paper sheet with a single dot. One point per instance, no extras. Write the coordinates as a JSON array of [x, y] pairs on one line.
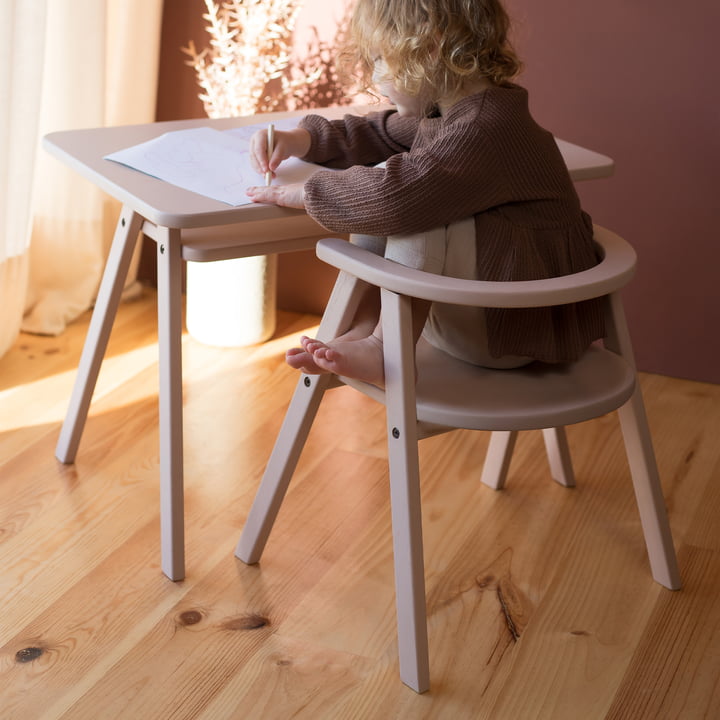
[[210, 162]]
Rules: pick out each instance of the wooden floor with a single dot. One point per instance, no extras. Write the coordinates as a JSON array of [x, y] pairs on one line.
[[540, 599]]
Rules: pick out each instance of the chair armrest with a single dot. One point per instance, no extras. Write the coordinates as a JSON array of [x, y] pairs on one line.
[[614, 271]]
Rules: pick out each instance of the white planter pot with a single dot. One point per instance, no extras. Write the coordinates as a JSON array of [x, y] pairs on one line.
[[231, 303]]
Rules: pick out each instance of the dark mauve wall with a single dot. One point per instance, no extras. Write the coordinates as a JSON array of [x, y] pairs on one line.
[[178, 90], [635, 80]]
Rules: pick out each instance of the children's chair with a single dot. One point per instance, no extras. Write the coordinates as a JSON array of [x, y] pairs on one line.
[[452, 394]]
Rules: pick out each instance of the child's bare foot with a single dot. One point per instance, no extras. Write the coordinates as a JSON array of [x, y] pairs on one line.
[[361, 359], [300, 360]]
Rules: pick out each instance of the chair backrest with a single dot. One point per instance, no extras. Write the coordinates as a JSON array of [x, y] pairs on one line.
[[613, 272]]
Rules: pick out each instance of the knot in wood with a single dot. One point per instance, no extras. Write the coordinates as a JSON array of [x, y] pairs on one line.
[[28, 654], [190, 617], [486, 581], [252, 621]]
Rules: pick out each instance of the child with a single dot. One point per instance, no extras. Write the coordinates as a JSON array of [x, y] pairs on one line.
[[472, 187]]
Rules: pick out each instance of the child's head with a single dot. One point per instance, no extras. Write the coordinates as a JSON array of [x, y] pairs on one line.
[[433, 47]]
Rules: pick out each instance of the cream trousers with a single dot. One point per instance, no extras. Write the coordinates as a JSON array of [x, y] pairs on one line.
[[458, 330]]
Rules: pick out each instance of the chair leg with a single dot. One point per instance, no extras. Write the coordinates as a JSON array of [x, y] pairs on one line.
[[648, 492], [405, 491], [281, 466], [309, 391], [558, 453], [498, 457]]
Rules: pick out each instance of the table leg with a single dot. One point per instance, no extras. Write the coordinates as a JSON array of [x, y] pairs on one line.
[[172, 527], [111, 287]]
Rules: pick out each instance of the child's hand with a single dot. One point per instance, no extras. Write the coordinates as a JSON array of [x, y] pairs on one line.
[[288, 143], [283, 195]]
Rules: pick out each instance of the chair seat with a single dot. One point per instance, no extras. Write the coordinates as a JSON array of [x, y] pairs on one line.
[[455, 394]]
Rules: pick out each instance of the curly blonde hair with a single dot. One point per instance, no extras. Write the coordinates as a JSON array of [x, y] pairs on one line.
[[433, 46]]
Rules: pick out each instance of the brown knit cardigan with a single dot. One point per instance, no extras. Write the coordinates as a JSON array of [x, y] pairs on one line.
[[486, 157]]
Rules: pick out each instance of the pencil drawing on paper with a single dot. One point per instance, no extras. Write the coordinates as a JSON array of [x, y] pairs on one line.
[[210, 162]]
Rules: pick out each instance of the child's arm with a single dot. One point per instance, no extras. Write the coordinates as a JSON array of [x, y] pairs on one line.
[[451, 175], [338, 143], [358, 139]]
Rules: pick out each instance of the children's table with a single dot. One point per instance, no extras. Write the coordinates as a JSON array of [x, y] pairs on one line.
[[185, 226]]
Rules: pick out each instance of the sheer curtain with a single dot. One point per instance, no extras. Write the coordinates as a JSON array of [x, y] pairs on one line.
[[67, 64], [22, 30]]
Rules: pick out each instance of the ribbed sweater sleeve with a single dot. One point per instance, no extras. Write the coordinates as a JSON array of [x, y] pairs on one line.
[[457, 166], [358, 140]]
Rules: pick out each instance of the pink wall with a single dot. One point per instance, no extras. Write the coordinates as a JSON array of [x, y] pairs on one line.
[[637, 81]]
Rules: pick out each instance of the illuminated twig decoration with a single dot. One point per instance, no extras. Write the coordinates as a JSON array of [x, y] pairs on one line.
[[249, 68]]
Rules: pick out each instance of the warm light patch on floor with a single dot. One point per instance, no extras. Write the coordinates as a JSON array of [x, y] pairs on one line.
[[43, 401]]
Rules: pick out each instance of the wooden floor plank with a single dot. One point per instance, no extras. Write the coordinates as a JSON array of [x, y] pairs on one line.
[[675, 668]]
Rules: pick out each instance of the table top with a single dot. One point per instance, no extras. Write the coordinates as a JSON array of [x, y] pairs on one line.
[[170, 206]]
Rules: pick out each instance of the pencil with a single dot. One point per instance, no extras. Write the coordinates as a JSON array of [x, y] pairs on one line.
[[270, 145]]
